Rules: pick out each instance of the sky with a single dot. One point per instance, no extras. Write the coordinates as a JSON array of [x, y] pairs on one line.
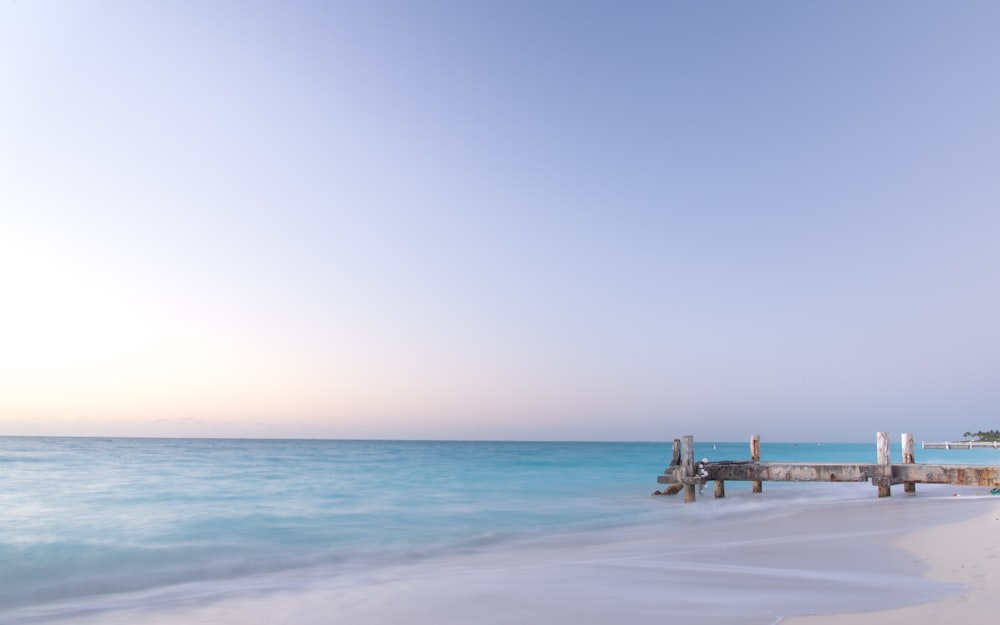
[[500, 220]]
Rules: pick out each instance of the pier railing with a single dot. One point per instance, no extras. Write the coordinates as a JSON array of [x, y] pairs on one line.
[[961, 445], [684, 474]]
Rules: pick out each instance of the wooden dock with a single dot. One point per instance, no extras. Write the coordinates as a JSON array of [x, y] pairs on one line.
[[961, 445], [684, 474]]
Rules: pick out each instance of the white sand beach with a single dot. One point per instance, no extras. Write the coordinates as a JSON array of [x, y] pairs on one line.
[[743, 560], [966, 553]]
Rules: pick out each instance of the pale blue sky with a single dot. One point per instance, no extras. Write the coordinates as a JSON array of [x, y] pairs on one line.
[[551, 220]]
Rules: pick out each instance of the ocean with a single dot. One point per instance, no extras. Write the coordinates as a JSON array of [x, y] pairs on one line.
[[102, 526]]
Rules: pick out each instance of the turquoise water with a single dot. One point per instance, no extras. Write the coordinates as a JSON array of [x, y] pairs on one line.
[[89, 518]]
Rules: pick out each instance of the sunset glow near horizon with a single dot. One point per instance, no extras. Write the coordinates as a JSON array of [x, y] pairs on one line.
[[561, 220]]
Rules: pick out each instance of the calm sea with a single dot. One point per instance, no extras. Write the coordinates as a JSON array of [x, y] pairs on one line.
[[86, 518]]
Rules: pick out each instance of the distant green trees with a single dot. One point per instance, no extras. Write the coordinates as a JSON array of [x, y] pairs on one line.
[[986, 437]]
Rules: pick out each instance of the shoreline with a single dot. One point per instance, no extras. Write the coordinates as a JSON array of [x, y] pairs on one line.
[[966, 553], [743, 560]]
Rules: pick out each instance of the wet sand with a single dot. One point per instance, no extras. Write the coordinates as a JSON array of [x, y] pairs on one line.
[[743, 560], [965, 553]]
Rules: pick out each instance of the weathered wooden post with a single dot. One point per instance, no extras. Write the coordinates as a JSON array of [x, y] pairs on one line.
[[675, 465], [758, 486], [884, 481], [687, 461], [720, 488], [908, 458]]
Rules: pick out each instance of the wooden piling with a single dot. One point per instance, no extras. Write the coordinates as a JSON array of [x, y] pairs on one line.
[[758, 486], [884, 481], [687, 462], [720, 488], [675, 462], [909, 488]]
